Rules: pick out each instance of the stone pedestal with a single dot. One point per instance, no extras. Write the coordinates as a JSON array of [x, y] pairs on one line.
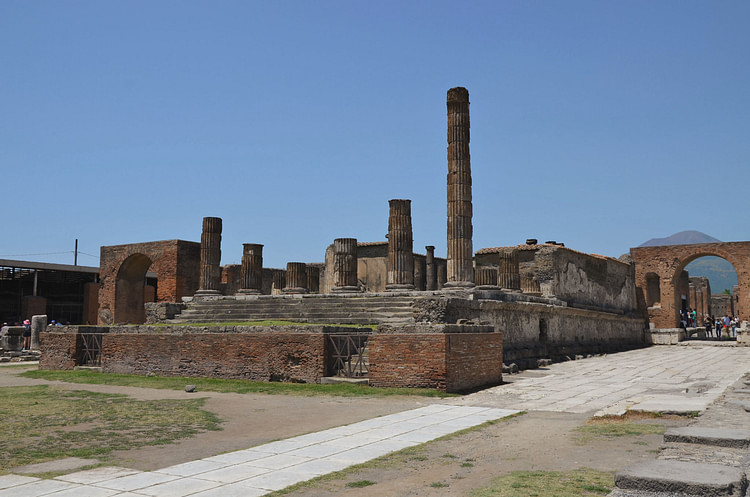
[[508, 277], [430, 269], [345, 265], [251, 276], [313, 279], [400, 274], [460, 268], [210, 266], [38, 325], [486, 278], [296, 277]]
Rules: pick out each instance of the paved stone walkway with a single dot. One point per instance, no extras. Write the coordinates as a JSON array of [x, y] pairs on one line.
[[262, 469], [656, 379]]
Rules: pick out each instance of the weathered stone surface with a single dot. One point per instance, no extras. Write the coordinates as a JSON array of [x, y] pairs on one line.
[[251, 276], [400, 274], [508, 276], [345, 265], [676, 476], [210, 269], [460, 267], [158, 312], [719, 437], [38, 325], [430, 269], [485, 277], [296, 277]]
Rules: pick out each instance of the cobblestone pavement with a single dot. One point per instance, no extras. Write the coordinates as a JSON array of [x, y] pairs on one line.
[[657, 379]]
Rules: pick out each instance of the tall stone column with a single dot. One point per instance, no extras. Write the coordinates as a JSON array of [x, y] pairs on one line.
[[296, 277], [430, 269], [251, 275], [460, 250], [400, 275], [210, 275], [345, 265], [508, 276]]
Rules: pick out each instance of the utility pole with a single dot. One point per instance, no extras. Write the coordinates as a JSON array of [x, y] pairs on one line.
[[75, 254]]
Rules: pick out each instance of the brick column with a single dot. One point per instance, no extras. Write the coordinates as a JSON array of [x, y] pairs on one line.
[[460, 266], [400, 275], [345, 265], [508, 277], [296, 277], [430, 270], [251, 274], [210, 276]]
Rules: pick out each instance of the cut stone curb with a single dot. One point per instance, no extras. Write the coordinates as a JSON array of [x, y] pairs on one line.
[[66, 464], [708, 480], [719, 437]]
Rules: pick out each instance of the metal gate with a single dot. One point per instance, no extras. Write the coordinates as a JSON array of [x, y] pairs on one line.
[[90, 353], [348, 355]]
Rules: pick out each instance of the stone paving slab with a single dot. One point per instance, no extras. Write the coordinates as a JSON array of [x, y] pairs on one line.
[[273, 466], [720, 437], [686, 477]]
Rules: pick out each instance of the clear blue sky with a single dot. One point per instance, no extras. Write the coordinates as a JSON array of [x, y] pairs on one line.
[[598, 124]]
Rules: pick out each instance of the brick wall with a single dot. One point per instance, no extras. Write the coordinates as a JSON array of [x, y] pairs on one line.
[[474, 360], [58, 350]]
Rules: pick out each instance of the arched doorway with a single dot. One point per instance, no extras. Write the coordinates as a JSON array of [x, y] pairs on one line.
[[130, 289]]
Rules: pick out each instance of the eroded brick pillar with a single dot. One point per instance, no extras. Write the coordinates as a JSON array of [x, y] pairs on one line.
[[251, 273], [460, 267], [400, 275], [296, 277], [430, 269], [508, 276], [345, 265], [210, 275]]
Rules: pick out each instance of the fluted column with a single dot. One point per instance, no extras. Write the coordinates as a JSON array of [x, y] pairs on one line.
[[400, 275], [430, 270], [279, 282], [210, 275], [251, 275], [313, 279], [529, 285], [296, 277], [508, 276], [460, 250], [486, 277], [345, 265]]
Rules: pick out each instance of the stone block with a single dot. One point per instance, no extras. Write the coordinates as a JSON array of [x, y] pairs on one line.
[[719, 437], [707, 480]]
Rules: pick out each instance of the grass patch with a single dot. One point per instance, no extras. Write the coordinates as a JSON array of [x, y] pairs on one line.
[[613, 427], [360, 483], [228, 386], [265, 322], [580, 482], [42, 423], [438, 484]]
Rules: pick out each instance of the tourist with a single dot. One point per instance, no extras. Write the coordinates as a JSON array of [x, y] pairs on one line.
[[707, 322], [27, 335], [727, 323], [693, 318]]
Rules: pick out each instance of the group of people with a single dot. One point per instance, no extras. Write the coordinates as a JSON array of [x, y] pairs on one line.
[[726, 325]]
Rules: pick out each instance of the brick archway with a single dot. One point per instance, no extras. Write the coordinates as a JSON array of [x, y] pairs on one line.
[[122, 274], [667, 263]]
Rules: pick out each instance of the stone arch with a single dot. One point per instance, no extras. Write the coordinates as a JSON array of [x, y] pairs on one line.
[[130, 289], [668, 263]]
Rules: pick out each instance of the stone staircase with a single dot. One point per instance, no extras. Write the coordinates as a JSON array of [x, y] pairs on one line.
[[325, 309], [708, 458]]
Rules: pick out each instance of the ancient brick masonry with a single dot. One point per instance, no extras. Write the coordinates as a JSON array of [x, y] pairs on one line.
[[400, 246], [460, 231], [210, 257], [252, 268]]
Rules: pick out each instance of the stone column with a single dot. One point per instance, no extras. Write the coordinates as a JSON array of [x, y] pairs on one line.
[[430, 270], [460, 251], [486, 278], [313, 279], [345, 265], [442, 275], [530, 286], [508, 276], [210, 276], [419, 270], [279, 282], [400, 275], [296, 277], [38, 325], [251, 274]]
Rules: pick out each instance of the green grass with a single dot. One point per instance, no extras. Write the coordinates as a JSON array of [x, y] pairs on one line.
[[266, 322], [615, 427], [438, 484], [228, 386], [360, 483], [41, 423], [580, 482]]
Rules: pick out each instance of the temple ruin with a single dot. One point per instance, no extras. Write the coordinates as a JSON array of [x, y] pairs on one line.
[[449, 323]]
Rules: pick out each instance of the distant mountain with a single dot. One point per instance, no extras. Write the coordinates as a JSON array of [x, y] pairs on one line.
[[681, 238], [720, 273]]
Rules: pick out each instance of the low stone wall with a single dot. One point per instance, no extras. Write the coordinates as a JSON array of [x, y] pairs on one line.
[[665, 336], [59, 348], [453, 358]]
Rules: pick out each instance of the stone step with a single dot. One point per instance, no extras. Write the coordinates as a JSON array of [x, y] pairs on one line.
[[683, 477], [720, 437], [703, 454]]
